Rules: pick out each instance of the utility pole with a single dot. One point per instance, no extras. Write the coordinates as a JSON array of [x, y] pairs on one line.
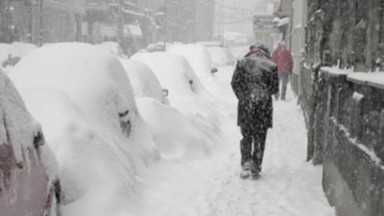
[[220, 19], [120, 23], [2, 20], [6, 27], [41, 23], [30, 24], [195, 21]]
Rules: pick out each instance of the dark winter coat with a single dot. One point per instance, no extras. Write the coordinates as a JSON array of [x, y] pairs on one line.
[[254, 81]]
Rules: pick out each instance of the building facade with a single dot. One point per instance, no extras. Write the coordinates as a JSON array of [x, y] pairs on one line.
[[204, 19], [38, 21], [284, 13], [264, 30], [181, 20], [342, 93], [132, 23], [297, 40]]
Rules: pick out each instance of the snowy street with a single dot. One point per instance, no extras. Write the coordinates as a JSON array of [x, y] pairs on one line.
[[118, 147], [191, 108], [289, 186]]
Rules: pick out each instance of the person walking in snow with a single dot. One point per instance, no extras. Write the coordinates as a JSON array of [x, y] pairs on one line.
[[254, 81], [283, 59]]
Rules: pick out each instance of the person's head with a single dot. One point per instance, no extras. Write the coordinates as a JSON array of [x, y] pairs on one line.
[[282, 43], [262, 47], [252, 48]]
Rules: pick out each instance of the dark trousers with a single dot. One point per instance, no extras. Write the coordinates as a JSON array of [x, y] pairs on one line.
[[283, 81], [256, 137]]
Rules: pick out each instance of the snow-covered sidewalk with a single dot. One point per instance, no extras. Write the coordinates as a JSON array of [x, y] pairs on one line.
[[289, 186]]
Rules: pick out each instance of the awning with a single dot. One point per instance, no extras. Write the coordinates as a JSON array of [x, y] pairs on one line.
[[284, 21], [132, 13], [72, 6], [133, 31], [108, 30]]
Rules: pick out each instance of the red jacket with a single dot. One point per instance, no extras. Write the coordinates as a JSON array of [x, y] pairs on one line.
[[283, 59]]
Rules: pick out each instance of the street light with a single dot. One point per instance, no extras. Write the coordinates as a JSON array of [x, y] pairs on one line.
[[165, 24]]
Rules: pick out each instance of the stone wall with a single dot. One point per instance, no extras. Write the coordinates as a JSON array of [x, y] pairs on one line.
[[345, 116], [348, 139]]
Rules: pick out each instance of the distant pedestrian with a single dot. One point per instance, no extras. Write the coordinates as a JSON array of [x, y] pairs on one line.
[[254, 82], [283, 59]]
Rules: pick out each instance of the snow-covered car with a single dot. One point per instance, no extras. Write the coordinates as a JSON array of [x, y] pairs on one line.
[[186, 93], [189, 126], [10, 54], [221, 56], [156, 47], [113, 48], [211, 43], [29, 184], [85, 102], [144, 81], [198, 57]]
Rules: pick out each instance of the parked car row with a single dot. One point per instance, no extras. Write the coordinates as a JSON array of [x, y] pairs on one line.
[[101, 118]]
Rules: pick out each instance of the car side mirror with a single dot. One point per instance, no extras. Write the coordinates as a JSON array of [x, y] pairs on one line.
[[165, 92], [214, 70], [38, 139]]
